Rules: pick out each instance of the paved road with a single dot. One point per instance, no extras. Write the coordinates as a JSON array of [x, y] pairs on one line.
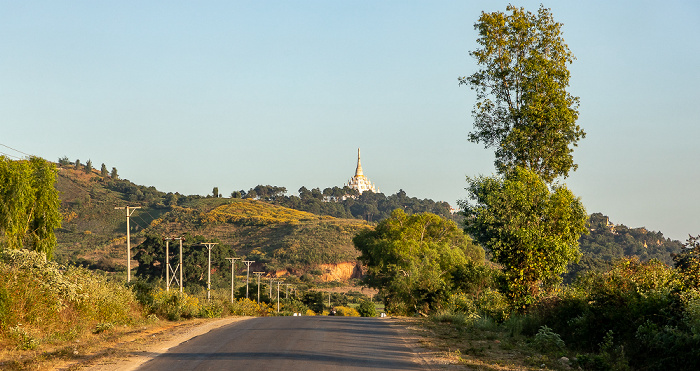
[[293, 343]]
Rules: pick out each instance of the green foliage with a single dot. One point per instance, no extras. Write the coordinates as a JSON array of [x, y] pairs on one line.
[[641, 313], [411, 259], [247, 307], [688, 262], [151, 257], [523, 108], [531, 231], [367, 309], [41, 300], [29, 204], [347, 203], [314, 301], [174, 305], [547, 340], [607, 242]]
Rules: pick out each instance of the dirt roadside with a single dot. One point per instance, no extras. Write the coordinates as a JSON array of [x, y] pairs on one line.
[[133, 350]]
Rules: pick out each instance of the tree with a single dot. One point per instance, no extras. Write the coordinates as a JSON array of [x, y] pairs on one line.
[[114, 174], [29, 204], [77, 164], [88, 167], [103, 171], [411, 259], [523, 108], [531, 231], [215, 192]]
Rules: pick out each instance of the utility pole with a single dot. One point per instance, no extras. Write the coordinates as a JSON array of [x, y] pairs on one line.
[[247, 276], [168, 267], [233, 274], [129, 211], [286, 290], [209, 245], [278, 296], [258, 273], [271, 277]]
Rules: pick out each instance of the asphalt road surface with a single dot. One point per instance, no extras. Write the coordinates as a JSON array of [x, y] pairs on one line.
[[293, 343]]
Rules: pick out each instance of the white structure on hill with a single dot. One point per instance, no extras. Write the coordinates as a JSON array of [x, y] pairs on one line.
[[360, 182]]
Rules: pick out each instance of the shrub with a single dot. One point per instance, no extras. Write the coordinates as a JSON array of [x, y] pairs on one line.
[[493, 304], [547, 340], [247, 307], [346, 312], [174, 305], [367, 309]]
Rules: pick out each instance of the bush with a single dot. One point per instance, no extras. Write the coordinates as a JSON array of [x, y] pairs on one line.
[[641, 312], [174, 305], [346, 312], [367, 309], [42, 300], [247, 307], [547, 340]]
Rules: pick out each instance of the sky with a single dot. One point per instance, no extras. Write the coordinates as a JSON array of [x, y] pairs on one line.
[[186, 96]]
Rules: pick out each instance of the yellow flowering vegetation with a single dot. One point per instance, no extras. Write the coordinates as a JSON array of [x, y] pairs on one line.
[[252, 212]]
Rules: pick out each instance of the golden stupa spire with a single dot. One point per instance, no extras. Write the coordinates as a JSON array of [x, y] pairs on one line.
[[358, 170]]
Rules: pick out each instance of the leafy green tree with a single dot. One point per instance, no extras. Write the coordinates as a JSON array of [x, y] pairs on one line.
[[411, 259], [367, 309], [88, 167], [77, 164], [523, 108], [29, 204], [531, 231], [103, 171], [215, 192], [114, 174], [688, 261], [64, 161]]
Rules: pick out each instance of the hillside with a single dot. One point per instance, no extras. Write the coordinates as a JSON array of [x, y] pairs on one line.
[[607, 242], [278, 238]]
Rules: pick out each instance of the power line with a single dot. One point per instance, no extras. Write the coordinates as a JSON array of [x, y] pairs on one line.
[[9, 155], [16, 150]]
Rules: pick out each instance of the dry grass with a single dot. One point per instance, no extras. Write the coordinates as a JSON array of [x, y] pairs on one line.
[[445, 345]]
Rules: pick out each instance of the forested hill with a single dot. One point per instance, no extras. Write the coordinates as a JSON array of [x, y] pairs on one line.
[[607, 242], [348, 203]]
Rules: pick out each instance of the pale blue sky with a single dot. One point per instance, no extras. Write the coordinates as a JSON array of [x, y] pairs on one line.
[[186, 96]]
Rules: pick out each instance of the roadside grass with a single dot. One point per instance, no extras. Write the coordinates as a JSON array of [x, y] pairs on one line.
[[475, 343]]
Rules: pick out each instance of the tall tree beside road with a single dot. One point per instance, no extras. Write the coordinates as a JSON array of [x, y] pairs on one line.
[[531, 231], [29, 204], [523, 108]]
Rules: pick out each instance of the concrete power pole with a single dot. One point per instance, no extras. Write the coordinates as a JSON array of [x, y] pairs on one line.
[[278, 296], [247, 276], [233, 274], [168, 267], [209, 245], [259, 274], [271, 278], [129, 211]]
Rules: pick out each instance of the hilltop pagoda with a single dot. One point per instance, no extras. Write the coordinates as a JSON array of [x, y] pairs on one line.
[[360, 182]]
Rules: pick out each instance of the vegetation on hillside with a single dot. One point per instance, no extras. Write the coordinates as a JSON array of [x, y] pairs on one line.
[[346, 202], [28, 204]]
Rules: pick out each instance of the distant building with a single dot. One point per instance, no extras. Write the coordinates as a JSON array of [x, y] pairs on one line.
[[360, 182]]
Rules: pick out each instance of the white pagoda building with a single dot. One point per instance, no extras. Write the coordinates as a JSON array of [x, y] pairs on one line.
[[360, 182]]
